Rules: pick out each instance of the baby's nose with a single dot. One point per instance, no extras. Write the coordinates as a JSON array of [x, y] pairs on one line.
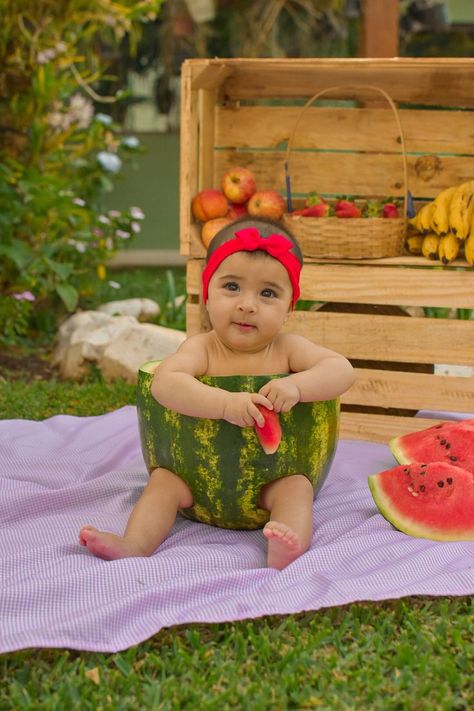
[[247, 302]]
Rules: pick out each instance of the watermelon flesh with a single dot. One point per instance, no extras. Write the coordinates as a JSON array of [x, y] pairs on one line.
[[450, 442], [269, 434], [434, 500]]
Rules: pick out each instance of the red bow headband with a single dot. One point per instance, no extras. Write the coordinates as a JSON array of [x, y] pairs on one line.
[[249, 240]]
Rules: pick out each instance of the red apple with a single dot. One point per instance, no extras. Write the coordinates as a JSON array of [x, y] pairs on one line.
[[208, 204], [238, 184], [266, 203], [212, 227], [236, 211]]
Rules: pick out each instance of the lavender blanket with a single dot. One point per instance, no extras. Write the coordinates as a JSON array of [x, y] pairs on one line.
[[58, 474]]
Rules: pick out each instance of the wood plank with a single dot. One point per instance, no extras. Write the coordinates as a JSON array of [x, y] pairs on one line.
[[345, 129], [415, 391], [386, 285], [430, 81], [374, 337], [209, 75], [378, 33], [388, 338], [380, 428], [207, 103], [188, 154], [381, 285], [349, 173]]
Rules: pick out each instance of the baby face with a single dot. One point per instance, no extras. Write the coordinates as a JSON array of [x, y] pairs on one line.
[[249, 300]]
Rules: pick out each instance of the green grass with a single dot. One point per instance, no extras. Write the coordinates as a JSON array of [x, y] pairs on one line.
[[414, 654]]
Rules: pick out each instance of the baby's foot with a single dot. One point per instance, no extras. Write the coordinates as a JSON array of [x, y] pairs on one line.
[[284, 545], [106, 545]]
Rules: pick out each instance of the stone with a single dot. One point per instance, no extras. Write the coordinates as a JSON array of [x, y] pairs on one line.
[[142, 309], [135, 346]]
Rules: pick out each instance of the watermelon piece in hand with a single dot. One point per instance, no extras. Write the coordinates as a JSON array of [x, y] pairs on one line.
[[434, 500], [269, 434]]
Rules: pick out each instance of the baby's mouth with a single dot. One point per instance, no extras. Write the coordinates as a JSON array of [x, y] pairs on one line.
[[241, 324]]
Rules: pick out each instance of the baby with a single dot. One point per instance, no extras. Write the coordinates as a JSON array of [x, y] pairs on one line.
[[250, 286]]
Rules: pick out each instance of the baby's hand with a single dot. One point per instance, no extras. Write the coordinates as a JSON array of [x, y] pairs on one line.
[[282, 393], [241, 409]]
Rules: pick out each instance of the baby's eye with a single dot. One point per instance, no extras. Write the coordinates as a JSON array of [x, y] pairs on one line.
[[231, 286], [269, 293]]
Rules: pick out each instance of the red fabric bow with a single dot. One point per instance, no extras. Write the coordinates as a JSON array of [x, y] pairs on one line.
[[250, 240]]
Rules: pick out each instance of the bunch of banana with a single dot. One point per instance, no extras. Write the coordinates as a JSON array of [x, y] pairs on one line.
[[444, 224]]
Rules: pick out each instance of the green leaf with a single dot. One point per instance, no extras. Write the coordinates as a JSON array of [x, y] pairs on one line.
[[63, 270], [68, 294], [18, 252]]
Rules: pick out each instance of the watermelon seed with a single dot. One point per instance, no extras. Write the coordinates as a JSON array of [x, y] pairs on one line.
[[423, 465], [449, 480], [406, 471], [422, 487], [443, 441], [453, 459], [448, 446], [441, 484]]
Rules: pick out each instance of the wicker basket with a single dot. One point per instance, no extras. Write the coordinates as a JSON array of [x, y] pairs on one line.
[[354, 238]]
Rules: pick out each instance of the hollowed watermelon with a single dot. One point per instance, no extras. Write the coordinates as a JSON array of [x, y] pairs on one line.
[[427, 500], [225, 465], [450, 442]]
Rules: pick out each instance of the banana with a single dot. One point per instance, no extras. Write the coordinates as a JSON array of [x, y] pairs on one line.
[[413, 243], [469, 245], [429, 247], [448, 248], [440, 216], [469, 249], [461, 209], [422, 220]]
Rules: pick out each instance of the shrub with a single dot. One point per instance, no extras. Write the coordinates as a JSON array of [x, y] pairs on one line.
[[58, 155]]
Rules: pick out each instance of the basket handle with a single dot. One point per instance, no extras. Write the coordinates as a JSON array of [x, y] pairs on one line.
[[339, 88]]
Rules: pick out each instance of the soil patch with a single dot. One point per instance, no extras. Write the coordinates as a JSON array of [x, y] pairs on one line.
[[16, 364]]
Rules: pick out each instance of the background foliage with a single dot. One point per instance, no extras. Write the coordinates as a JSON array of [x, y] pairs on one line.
[[59, 155]]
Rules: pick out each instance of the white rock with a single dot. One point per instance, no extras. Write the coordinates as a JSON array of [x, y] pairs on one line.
[[136, 345], [143, 309], [76, 326]]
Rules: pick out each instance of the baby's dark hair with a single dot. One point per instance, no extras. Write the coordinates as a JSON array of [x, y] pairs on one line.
[[264, 225]]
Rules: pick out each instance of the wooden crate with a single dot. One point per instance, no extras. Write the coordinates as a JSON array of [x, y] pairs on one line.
[[242, 111]]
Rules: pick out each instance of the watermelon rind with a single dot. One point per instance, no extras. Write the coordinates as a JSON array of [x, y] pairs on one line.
[[225, 465], [437, 531]]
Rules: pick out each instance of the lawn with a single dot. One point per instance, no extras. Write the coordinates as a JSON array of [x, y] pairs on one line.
[[415, 654]]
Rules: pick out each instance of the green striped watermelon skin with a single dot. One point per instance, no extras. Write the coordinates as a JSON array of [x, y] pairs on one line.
[[225, 465]]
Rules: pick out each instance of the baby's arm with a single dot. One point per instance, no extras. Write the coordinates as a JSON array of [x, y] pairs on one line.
[[176, 387], [317, 373]]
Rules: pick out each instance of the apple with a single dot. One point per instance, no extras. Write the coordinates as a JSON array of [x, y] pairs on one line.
[[236, 211], [208, 204], [211, 228], [266, 203], [238, 185]]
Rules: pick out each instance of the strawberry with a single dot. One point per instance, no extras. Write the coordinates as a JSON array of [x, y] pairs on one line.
[[313, 199], [390, 210], [319, 210], [350, 210]]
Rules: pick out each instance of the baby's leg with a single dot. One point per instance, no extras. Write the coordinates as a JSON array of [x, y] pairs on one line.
[[289, 531], [149, 523]]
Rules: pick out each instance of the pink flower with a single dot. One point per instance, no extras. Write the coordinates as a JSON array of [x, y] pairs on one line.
[[24, 296]]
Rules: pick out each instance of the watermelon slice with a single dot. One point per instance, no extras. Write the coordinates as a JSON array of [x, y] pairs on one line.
[[451, 442], [434, 500], [269, 434]]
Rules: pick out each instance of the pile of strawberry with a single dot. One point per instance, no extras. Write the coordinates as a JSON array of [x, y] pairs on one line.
[[316, 206]]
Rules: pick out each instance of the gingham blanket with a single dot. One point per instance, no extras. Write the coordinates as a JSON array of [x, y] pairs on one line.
[[60, 473]]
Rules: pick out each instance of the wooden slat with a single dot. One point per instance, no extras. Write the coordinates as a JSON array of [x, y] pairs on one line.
[[387, 285], [349, 173], [188, 157], [438, 82], [373, 337], [380, 428], [345, 129], [392, 338], [207, 75], [207, 103], [414, 391]]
